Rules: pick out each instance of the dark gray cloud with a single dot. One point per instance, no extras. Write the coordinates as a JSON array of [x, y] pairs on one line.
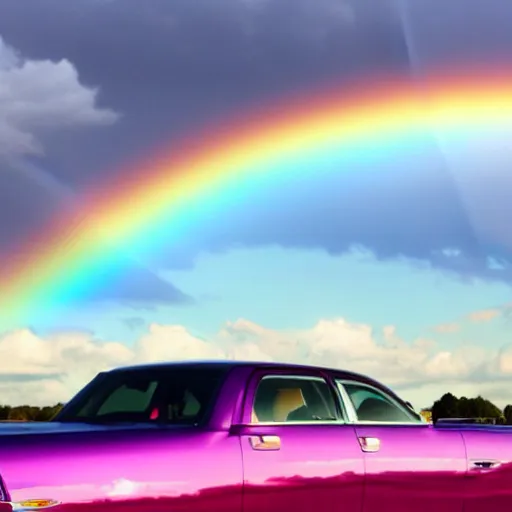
[[459, 31], [168, 66], [33, 200]]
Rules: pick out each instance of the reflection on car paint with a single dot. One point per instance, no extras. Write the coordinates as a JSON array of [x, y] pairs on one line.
[[155, 468]]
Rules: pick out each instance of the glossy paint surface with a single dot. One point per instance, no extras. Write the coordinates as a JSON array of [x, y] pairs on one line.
[[489, 488], [417, 468], [166, 469], [318, 466], [132, 468]]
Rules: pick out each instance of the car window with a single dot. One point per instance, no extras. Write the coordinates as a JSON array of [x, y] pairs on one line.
[[127, 399], [173, 396], [373, 405], [293, 399]]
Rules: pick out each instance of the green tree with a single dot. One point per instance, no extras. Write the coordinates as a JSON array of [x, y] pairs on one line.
[[446, 407], [464, 407], [449, 406], [507, 412], [4, 412], [482, 408], [28, 412], [47, 413], [21, 413]]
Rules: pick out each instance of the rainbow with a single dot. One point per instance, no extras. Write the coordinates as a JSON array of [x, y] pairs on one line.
[[325, 130]]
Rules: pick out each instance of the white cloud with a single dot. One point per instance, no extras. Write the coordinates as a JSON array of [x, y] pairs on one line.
[[41, 95], [40, 370], [447, 328], [481, 316], [485, 315]]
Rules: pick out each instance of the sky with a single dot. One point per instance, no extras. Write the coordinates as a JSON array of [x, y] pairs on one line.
[[400, 271]]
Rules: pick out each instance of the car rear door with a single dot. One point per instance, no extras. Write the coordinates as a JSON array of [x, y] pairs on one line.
[[489, 455], [410, 466], [298, 452]]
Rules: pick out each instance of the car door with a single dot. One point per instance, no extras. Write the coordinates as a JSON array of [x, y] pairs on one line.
[[489, 454], [298, 452], [409, 464]]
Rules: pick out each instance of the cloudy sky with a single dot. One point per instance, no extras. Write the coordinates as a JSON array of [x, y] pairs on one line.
[[405, 276]]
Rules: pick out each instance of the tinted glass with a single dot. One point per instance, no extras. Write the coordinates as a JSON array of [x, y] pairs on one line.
[[178, 396], [292, 399], [371, 404]]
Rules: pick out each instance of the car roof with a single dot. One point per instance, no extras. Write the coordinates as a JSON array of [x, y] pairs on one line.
[[228, 364]]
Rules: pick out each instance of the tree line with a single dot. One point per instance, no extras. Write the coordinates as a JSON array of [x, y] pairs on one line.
[[448, 406], [479, 408], [28, 412]]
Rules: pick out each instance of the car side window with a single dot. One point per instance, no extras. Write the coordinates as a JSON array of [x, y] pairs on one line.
[[126, 399], [181, 396], [293, 399], [373, 405]]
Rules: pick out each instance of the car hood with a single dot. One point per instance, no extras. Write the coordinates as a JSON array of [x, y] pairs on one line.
[[55, 427]]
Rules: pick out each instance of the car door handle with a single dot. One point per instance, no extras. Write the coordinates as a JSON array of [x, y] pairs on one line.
[[369, 444], [265, 443], [484, 464]]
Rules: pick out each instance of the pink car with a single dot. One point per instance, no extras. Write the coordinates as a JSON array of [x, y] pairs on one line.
[[249, 437]]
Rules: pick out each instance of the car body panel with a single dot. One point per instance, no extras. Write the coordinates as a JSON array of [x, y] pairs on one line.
[[316, 468], [213, 466], [490, 484], [128, 469], [416, 468]]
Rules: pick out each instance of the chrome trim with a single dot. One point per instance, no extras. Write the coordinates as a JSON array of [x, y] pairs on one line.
[[265, 443], [369, 444], [347, 403], [397, 423], [295, 377], [293, 423], [352, 414]]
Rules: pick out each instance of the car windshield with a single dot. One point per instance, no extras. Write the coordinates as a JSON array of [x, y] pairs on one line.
[[175, 396]]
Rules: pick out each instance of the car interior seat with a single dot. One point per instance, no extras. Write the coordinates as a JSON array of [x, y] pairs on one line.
[[287, 400], [373, 409]]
